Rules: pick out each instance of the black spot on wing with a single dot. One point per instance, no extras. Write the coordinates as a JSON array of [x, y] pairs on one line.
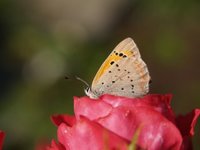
[[121, 54], [112, 62]]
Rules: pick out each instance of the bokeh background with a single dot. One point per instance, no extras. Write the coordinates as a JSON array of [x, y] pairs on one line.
[[42, 41]]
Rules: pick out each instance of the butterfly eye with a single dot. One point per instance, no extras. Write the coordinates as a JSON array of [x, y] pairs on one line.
[[87, 89]]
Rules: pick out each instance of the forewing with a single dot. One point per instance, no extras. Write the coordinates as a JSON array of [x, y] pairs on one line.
[[123, 73], [126, 48]]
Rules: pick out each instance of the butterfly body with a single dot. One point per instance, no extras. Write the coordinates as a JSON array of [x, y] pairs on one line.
[[123, 73]]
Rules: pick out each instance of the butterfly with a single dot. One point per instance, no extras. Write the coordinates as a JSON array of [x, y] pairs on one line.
[[123, 73]]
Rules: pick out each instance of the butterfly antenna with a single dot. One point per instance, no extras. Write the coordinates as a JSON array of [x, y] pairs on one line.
[[83, 81], [77, 78]]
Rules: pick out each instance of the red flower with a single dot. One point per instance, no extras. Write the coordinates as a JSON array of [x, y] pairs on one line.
[[2, 135], [111, 122]]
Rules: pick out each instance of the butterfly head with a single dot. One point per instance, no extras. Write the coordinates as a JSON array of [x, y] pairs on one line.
[[90, 93]]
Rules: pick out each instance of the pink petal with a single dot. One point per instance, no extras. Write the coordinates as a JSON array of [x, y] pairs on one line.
[[58, 119], [156, 131], [2, 136], [158, 102], [94, 109], [87, 135], [124, 116], [91, 108]]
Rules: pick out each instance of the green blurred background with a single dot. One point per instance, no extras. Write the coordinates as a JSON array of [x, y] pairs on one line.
[[41, 41]]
